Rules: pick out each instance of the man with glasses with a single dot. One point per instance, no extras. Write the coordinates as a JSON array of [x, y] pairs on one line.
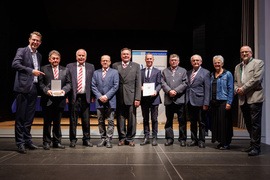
[[248, 76], [27, 65]]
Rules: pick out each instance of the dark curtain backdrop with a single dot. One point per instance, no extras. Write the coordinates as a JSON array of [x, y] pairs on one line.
[[207, 28]]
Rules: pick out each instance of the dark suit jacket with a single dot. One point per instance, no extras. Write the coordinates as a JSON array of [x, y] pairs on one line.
[[198, 93], [73, 74], [107, 86], [23, 64], [45, 85], [178, 82], [155, 77], [129, 83]]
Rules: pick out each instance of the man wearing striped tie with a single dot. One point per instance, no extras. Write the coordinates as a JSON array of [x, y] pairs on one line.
[[80, 97], [105, 84], [197, 99], [53, 106]]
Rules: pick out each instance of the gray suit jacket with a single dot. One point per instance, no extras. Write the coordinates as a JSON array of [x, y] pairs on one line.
[[198, 93], [107, 86], [178, 82], [73, 74], [252, 82], [23, 64], [129, 83]]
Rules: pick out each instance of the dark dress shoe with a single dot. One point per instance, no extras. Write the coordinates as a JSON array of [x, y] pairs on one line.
[[219, 145], [109, 144], [154, 143], [21, 149], [201, 145], [87, 143], [146, 141], [183, 143], [169, 142], [254, 152], [248, 149], [32, 146], [58, 145], [131, 143], [102, 143], [46, 146], [121, 143], [72, 144], [193, 143], [227, 147]]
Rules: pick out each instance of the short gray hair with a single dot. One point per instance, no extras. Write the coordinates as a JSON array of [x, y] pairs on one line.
[[174, 55], [219, 57], [82, 50], [54, 52]]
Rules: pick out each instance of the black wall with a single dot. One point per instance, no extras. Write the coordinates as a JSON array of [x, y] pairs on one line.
[[207, 28]]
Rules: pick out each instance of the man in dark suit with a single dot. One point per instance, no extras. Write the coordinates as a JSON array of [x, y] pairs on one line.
[[81, 74], [174, 83], [128, 97], [197, 99], [150, 75], [27, 64], [105, 84], [53, 106]]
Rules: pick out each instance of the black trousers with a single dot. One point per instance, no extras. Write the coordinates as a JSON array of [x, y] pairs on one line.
[[146, 107], [197, 114], [79, 107], [25, 112], [179, 109], [52, 114], [252, 114], [126, 132]]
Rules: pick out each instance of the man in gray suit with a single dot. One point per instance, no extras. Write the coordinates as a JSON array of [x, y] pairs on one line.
[[198, 99], [248, 77], [174, 83], [128, 97], [81, 74], [105, 84]]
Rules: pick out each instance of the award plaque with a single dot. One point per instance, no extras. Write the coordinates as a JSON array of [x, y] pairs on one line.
[[56, 87], [148, 89]]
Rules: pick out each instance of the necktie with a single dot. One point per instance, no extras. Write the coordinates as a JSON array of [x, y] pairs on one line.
[[148, 73], [173, 71], [104, 73], [192, 77], [124, 65], [80, 76], [55, 71]]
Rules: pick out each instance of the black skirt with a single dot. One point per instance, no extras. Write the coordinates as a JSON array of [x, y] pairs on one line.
[[221, 122]]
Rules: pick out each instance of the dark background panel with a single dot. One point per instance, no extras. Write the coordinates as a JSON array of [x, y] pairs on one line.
[[207, 28]]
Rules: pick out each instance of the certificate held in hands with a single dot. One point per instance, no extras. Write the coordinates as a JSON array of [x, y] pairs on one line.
[[56, 87], [148, 89]]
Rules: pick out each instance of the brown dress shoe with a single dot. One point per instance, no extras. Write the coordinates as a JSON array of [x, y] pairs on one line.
[[131, 143], [121, 143]]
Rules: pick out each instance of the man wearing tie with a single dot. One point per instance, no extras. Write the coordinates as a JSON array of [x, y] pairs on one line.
[[27, 64], [150, 75], [198, 99], [53, 105], [81, 74], [105, 84], [128, 97], [174, 83]]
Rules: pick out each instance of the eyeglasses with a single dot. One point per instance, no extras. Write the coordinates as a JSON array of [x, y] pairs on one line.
[[245, 52]]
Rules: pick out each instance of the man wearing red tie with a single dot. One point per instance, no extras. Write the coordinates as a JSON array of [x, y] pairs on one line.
[[81, 74], [53, 106]]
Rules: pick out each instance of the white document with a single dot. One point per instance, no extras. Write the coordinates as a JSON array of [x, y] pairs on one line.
[[56, 87], [148, 89]]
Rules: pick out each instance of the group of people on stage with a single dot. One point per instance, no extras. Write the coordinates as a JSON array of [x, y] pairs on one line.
[[121, 87]]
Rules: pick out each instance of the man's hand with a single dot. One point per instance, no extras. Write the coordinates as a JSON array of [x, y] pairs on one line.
[[228, 106], [103, 99], [37, 72], [155, 93], [240, 92], [172, 93], [49, 93], [205, 107], [137, 103]]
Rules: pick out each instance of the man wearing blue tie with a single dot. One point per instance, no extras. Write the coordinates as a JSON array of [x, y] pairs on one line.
[[105, 83], [150, 75]]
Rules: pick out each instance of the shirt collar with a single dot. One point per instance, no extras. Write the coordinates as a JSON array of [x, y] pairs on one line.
[[106, 69], [78, 64], [126, 63], [32, 50]]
